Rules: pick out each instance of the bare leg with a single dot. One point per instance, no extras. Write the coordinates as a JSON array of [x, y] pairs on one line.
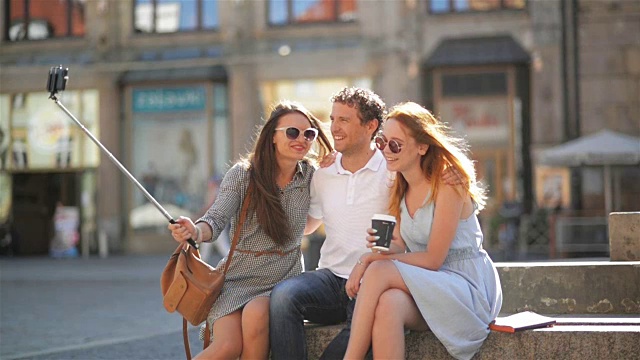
[[227, 335], [381, 276], [255, 329], [396, 311]]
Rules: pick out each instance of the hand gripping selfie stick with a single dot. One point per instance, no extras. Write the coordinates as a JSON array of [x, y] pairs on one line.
[[57, 81]]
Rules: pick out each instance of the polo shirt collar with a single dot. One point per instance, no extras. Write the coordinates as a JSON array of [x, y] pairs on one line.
[[373, 164]]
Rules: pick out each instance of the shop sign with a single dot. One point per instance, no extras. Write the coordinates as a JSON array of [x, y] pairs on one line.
[[169, 99], [484, 121]]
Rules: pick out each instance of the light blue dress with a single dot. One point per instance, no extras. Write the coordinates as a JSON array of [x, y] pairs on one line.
[[460, 300]]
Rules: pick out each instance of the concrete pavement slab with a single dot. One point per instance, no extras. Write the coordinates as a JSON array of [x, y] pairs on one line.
[[50, 306]]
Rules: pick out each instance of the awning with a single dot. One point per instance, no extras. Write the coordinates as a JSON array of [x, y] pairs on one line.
[[478, 51], [212, 73], [605, 148]]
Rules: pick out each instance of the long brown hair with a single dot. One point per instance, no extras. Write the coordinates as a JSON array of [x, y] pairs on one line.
[[264, 170], [444, 151]]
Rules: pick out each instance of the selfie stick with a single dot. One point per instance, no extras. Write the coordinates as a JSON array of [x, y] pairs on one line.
[[57, 81]]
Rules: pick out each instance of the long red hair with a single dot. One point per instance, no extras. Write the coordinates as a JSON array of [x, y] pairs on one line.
[[445, 150]]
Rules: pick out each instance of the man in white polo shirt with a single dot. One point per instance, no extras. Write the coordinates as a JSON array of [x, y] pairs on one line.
[[344, 196]]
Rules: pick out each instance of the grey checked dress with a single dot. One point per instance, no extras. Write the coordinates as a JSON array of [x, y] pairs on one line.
[[250, 274]]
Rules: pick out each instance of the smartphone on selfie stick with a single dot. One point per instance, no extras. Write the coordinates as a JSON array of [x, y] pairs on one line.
[[57, 81]]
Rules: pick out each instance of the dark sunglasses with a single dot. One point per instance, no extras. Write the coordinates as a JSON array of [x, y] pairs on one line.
[[293, 133], [381, 143]]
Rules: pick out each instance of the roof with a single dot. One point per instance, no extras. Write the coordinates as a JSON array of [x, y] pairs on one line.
[[501, 49]]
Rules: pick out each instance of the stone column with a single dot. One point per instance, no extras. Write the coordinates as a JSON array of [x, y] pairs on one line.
[[245, 108]]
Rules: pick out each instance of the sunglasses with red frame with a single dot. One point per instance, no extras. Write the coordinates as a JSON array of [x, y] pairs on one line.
[[381, 142]]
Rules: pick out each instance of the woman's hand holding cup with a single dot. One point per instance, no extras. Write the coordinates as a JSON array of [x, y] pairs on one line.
[[383, 225], [371, 237]]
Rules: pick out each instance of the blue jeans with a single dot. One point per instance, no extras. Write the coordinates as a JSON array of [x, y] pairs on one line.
[[317, 296]]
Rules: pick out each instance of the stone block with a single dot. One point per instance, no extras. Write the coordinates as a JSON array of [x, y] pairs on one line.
[[632, 57], [597, 91], [603, 61], [624, 236], [609, 33], [575, 287], [559, 342]]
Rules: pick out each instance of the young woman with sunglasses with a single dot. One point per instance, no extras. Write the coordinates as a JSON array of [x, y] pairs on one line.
[[445, 281], [277, 172]]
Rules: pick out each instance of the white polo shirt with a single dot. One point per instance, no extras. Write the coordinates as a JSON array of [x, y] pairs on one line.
[[345, 202]]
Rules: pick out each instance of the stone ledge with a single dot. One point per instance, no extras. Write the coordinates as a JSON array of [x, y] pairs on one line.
[[560, 342], [581, 287]]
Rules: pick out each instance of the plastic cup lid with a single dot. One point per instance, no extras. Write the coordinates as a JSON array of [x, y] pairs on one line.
[[383, 217]]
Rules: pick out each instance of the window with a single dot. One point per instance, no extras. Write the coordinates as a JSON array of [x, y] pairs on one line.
[[39, 136], [481, 84], [287, 12], [44, 19], [450, 6], [169, 16]]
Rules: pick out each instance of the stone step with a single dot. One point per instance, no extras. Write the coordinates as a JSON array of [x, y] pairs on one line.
[[571, 287], [572, 338]]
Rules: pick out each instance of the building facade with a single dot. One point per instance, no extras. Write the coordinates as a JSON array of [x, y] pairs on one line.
[[176, 89]]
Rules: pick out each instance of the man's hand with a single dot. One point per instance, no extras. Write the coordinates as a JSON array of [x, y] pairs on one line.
[[328, 159], [452, 177]]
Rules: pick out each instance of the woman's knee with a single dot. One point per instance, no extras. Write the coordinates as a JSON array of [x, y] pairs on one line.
[[390, 304], [255, 317], [377, 271], [223, 348]]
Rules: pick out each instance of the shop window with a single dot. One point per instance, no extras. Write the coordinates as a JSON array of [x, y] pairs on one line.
[[221, 130], [169, 123], [35, 135], [481, 84], [477, 105], [312, 93], [289, 12], [44, 19], [455, 6], [170, 16]]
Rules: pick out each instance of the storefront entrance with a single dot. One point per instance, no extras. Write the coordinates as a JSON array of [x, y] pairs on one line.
[[35, 197]]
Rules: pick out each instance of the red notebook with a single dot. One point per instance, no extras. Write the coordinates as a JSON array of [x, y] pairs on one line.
[[521, 321]]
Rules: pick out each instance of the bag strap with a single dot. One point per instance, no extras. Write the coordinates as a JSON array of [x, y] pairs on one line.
[[185, 339], [236, 235], [207, 337]]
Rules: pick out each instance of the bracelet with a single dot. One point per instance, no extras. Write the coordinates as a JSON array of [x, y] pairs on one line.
[[198, 238], [360, 262]]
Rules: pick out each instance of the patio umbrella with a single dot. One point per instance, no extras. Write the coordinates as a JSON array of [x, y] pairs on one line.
[[604, 148]]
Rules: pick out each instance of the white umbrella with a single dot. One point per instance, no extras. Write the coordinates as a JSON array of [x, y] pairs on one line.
[[604, 148]]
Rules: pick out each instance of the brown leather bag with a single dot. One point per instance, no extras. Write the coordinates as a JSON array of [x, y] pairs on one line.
[[190, 286]]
